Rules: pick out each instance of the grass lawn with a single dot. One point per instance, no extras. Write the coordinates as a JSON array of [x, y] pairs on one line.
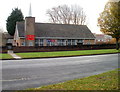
[[104, 81], [65, 53], [5, 56]]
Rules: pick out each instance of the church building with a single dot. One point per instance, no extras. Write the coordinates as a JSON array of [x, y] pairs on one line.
[[30, 33]]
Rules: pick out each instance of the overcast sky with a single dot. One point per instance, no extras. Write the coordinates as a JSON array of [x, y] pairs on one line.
[[92, 9]]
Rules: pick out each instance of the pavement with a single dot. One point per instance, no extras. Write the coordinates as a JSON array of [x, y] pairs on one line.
[[10, 52], [31, 73]]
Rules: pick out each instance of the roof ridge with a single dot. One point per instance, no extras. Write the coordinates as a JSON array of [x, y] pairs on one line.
[[58, 24], [51, 23]]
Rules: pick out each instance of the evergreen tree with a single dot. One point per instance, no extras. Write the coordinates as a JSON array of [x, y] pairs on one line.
[[15, 16]]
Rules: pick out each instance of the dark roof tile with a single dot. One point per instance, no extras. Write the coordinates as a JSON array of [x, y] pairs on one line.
[[58, 30]]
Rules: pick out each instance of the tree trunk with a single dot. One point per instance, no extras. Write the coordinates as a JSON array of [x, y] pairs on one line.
[[117, 43]]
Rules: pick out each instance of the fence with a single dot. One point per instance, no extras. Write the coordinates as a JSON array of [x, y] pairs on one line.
[[58, 48]]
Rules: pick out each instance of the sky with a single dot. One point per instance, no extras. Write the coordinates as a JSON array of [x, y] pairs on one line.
[[92, 9]]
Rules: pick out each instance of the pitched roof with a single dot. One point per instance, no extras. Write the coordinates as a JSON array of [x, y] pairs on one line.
[[58, 31], [7, 35]]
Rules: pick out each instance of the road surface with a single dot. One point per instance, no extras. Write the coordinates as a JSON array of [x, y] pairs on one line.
[[30, 73]]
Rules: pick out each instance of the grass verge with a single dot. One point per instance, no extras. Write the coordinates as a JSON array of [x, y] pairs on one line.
[[104, 81], [65, 53], [5, 56]]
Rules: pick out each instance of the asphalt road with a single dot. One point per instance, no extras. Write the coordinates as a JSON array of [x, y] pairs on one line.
[[30, 73]]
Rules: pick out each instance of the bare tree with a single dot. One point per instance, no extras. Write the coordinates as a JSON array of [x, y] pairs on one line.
[[67, 15], [78, 16]]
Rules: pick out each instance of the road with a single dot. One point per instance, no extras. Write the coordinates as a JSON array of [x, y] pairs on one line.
[[30, 73]]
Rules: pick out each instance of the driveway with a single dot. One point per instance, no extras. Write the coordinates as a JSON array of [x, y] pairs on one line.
[[30, 73]]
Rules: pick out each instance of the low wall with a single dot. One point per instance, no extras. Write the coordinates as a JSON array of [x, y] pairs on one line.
[[58, 48], [3, 49]]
